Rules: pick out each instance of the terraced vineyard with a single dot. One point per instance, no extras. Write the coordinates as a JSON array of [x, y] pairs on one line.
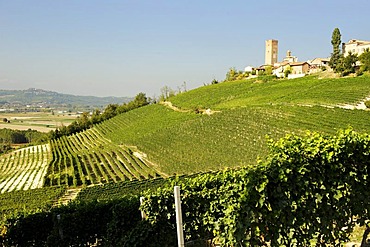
[[156, 141], [24, 169], [231, 138], [89, 158]]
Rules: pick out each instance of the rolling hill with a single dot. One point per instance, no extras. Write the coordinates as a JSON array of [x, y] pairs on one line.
[[208, 129], [33, 96], [161, 141]]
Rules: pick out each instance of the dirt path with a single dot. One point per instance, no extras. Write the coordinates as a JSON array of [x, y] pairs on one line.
[[359, 106], [169, 104]]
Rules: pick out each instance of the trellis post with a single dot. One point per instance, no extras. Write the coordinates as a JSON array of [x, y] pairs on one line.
[[180, 231]]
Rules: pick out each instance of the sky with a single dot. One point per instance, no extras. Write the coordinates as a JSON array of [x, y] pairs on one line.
[[124, 47]]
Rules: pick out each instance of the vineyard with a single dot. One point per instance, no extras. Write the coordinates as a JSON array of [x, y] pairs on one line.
[[232, 138], [24, 169], [115, 191], [138, 150], [29, 201], [312, 190], [88, 158], [308, 90], [156, 141]]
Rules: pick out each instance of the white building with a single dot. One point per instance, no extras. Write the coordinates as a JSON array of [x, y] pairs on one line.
[[355, 46], [248, 69]]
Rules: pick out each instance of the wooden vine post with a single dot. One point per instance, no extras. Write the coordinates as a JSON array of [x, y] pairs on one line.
[[180, 233]]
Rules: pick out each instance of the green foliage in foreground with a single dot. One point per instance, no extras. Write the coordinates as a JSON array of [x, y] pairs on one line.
[[115, 191], [79, 224], [28, 201], [309, 188]]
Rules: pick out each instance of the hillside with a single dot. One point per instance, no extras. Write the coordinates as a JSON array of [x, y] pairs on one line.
[[247, 111], [160, 141], [211, 128], [39, 97]]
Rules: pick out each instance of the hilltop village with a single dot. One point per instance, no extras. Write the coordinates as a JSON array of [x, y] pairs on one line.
[[291, 67]]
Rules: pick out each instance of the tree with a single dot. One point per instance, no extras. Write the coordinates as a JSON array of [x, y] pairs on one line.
[[268, 70], [140, 100], [231, 74], [287, 70], [336, 55], [347, 64], [364, 58]]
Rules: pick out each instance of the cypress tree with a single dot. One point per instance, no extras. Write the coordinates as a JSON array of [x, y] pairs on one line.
[[336, 55]]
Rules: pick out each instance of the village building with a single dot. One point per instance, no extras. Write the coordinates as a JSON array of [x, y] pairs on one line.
[[355, 46], [299, 68], [296, 69], [319, 64], [248, 69], [289, 58], [291, 66]]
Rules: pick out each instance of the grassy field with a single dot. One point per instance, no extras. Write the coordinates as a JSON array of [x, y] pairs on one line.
[[40, 121]]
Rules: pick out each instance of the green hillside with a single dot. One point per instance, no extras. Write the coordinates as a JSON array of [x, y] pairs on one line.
[[207, 129], [160, 141], [185, 142], [306, 90]]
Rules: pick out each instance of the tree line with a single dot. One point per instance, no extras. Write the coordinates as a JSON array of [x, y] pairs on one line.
[[9, 137]]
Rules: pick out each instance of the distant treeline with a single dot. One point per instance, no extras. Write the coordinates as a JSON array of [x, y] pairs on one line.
[[85, 121], [10, 137]]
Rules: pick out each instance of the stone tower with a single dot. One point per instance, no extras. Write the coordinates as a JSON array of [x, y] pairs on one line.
[[271, 52]]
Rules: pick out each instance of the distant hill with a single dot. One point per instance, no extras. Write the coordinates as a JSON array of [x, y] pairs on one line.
[[33, 96]]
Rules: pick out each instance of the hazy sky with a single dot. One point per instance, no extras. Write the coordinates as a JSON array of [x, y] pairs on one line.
[[121, 48]]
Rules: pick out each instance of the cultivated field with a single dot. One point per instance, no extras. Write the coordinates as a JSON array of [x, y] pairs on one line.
[[40, 121], [161, 141], [25, 168]]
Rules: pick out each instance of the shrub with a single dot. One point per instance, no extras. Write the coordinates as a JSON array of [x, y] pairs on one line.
[[367, 103]]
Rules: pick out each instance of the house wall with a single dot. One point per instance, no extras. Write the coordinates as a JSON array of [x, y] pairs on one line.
[[300, 69]]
